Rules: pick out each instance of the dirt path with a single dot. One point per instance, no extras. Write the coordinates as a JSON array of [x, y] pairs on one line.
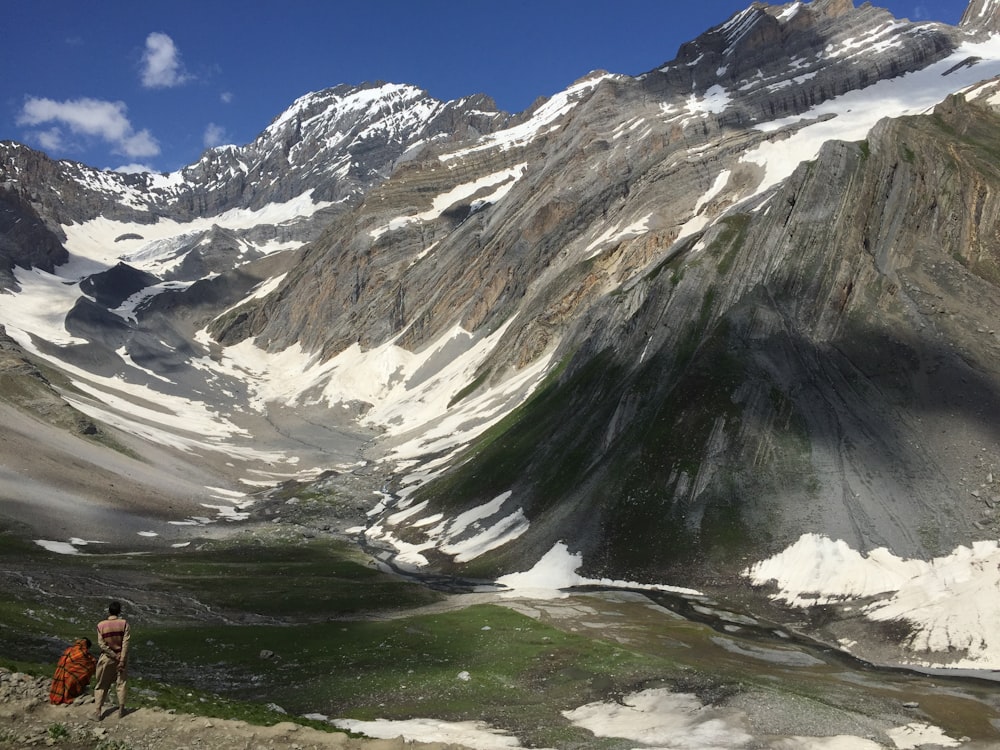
[[27, 719]]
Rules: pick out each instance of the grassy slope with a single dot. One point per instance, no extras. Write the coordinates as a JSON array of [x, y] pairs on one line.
[[226, 630]]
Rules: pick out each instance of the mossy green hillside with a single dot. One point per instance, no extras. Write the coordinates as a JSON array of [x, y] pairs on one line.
[[484, 662], [244, 580], [729, 241], [550, 439], [316, 579]]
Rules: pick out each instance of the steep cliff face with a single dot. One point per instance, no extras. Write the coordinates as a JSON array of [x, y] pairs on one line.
[[824, 361], [983, 15], [25, 239], [401, 266]]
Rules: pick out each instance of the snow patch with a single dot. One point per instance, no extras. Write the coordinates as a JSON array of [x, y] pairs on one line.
[[101, 243], [473, 734], [662, 719], [543, 120], [503, 181], [916, 735], [557, 571], [850, 117], [947, 600], [60, 548], [466, 537], [616, 233]]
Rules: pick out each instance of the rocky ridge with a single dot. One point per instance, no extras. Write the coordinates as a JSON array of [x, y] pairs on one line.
[[632, 135], [331, 146]]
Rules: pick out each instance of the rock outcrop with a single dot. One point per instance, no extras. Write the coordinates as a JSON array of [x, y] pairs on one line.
[[25, 239], [982, 15]]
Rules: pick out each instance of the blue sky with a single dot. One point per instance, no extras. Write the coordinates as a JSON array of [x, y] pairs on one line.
[[155, 82]]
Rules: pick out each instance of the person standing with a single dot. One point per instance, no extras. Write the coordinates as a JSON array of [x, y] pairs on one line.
[[113, 639]]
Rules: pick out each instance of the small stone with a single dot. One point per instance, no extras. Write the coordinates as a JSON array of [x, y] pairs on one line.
[[911, 704]]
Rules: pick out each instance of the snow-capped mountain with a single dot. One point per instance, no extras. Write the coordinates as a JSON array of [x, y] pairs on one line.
[[677, 325], [316, 159]]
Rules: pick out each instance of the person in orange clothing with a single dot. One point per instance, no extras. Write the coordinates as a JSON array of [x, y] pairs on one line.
[[73, 672], [113, 638]]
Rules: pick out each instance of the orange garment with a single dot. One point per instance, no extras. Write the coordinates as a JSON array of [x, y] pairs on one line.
[[73, 672]]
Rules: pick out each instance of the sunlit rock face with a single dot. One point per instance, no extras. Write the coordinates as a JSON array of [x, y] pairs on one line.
[[675, 320], [983, 15], [332, 145]]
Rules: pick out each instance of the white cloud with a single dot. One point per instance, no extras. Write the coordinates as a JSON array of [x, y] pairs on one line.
[[140, 144], [51, 139], [161, 63], [226, 97], [214, 135], [133, 168], [94, 118]]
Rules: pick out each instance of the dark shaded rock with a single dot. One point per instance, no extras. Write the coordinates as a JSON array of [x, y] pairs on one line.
[[25, 239], [112, 287], [95, 323]]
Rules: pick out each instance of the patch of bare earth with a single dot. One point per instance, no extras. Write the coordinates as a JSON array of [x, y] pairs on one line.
[[27, 719]]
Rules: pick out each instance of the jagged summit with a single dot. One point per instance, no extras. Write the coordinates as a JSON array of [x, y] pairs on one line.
[[983, 15], [323, 154], [831, 8], [826, 47]]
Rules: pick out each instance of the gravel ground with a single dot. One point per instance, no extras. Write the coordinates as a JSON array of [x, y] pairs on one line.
[[27, 719]]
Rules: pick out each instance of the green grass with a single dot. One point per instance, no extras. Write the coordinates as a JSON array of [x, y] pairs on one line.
[[729, 241], [469, 389], [58, 732], [343, 640], [318, 579], [499, 457], [522, 673], [397, 668]]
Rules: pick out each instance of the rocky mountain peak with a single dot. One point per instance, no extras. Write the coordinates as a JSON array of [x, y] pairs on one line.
[[831, 8], [982, 15], [819, 35]]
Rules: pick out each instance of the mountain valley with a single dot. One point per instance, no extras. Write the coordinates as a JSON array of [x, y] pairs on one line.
[[728, 329]]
